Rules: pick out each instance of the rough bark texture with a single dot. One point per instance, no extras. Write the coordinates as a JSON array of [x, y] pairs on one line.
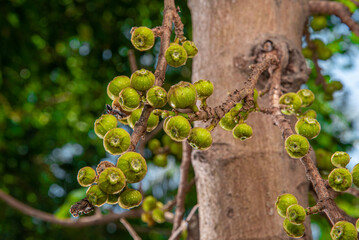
[[238, 182]]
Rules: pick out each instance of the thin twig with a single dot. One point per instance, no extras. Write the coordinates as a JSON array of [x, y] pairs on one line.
[[130, 230], [132, 60], [181, 195], [184, 224], [337, 9], [81, 222]]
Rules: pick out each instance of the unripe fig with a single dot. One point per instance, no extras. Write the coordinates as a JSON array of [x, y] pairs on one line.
[[129, 99], [105, 123], [296, 214], [182, 95], [116, 85], [158, 215], [96, 196], [147, 218], [293, 102], [111, 180], [133, 165], [116, 141], [149, 203], [190, 48], [283, 202], [309, 113], [307, 52], [160, 160], [130, 198], [156, 97], [318, 23], [152, 121], [297, 146], [340, 159], [200, 138], [355, 174], [142, 80], [343, 230], [86, 176], [323, 160], [113, 198], [228, 122], [178, 128], [166, 140], [242, 131], [307, 97], [340, 179], [204, 89], [293, 230], [176, 55], [324, 53], [143, 38], [357, 225], [154, 144], [176, 149], [102, 166], [308, 127]]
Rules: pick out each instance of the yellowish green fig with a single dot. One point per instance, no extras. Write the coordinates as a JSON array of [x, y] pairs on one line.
[[200, 138], [182, 95], [308, 127], [149, 203], [147, 218], [116, 141], [357, 225], [133, 165], [105, 123], [178, 128], [297, 146], [292, 101], [296, 214], [142, 80], [293, 230], [143, 38], [318, 23], [190, 48], [130, 198], [324, 53], [96, 196], [152, 121], [355, 174], [283, 202], [154, 144], [204, 89], [160, 160], [340, 159], [112, 180], [307, 97], [343, 230], [116, 85], [228, 122], [176, 55], [340, 179], [158, 215], [156, 97], [242, 131], [307, 52], [86, 176], [129, 99], [113, 198], [102, 166], [309, 113]]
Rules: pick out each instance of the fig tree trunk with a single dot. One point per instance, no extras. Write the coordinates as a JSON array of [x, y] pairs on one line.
[[238, 182]]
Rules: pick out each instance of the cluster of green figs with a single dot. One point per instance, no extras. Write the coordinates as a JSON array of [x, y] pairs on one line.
[[153, 211], [297, 146]]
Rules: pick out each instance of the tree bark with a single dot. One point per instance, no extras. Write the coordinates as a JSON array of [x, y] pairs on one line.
[[238, 182]]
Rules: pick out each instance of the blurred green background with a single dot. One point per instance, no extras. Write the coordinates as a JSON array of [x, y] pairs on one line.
[[57, 58]]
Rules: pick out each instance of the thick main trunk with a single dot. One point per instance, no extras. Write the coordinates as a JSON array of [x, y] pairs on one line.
[[238, 182]]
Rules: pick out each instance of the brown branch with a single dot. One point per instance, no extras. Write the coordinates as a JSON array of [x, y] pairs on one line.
[[181, 195], [132, 60], [184, 224], [312, 173], [81, 222], [337, 9], [130, 230], [315, 209], [178, 25]]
